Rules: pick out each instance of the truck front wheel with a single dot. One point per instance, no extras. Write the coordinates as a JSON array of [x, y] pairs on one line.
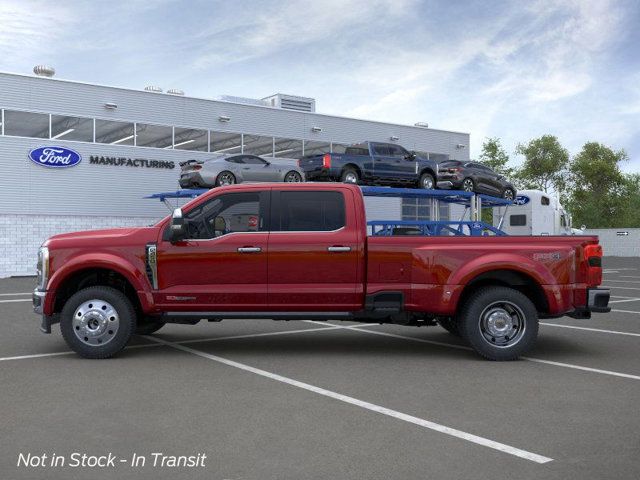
[[97, 322], [500, 323]]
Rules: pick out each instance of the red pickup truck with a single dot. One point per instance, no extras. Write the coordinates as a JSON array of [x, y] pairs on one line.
[[301, 251]]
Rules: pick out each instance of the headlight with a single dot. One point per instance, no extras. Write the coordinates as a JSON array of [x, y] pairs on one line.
[[43, 268]]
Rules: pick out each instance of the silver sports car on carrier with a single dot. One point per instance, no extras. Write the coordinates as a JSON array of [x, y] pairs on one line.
[[238, 168]]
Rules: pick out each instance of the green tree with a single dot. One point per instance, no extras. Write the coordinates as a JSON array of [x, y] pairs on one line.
[[495, 157], [545, 164], [600, 193], [631, 216]]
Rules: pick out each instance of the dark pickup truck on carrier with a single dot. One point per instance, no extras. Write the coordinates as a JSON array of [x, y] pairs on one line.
[[372, 163]]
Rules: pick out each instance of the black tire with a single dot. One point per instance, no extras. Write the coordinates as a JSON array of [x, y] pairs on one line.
[[349, 173], [468, 185], [225, 174], [488, 305], [509, 194], [450, 324], [147, 326], [293, 177], [427, 182], [116, 339]]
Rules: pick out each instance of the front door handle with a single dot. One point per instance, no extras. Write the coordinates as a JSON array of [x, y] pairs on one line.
[[249, 250], [337, 248]]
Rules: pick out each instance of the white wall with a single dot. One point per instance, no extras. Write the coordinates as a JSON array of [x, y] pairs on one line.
[[615, 245]]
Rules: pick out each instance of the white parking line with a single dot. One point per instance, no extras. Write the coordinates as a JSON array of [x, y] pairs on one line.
[[627, 276], [485, 442], [530, 359], [14, 294], [590, 329], [197, 340], [16, 300], [625, 300], [623, 311], [621, 288], [623, 281]]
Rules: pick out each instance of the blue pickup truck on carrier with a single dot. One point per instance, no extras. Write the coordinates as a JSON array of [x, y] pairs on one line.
[[372, 163]]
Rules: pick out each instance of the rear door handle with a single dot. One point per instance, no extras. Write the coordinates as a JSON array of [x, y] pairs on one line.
[[337, 248], [249, 250]]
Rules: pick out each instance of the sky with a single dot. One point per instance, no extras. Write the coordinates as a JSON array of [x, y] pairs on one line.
[[514, 70]]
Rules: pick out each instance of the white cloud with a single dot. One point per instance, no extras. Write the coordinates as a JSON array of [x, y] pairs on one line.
[[30, 28]]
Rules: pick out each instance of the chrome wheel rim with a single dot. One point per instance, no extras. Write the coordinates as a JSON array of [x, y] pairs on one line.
[[427, 183], [293, 177], [95, 322], [467, 185], [350, 177], [508, 194], [226, 179], [502, 324]]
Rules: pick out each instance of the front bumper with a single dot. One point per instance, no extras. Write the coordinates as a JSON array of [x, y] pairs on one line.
[[38, 298]]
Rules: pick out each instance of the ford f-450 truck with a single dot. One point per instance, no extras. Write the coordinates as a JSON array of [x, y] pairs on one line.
[[301, 251], [372, 163]]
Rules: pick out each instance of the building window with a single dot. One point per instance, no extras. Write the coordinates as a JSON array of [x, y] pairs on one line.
[[258, 145], [191, 139], [26, 124], [72, 128], [287, 148], [338, 147], [316, 148], [157, 136], [224, 142], [114, 133]]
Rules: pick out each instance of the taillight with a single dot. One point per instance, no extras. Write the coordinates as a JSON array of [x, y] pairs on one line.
[[326, 160], [592, 265]]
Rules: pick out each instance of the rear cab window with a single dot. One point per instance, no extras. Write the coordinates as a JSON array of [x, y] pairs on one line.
[[304, 211]]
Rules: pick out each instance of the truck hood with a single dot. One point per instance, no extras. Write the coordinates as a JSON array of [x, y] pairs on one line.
[[105, 237]]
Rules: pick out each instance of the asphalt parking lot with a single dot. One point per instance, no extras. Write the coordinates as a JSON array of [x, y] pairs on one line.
[[307, 400]]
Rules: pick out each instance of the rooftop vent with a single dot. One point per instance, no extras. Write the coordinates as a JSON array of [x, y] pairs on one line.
[[175, 91], [44, 71], [291, 102], [153, 88], [422, 124], [243, 100]]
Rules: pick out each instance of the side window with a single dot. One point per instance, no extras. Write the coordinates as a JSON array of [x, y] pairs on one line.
[[397, 151], [235, 159], [253, 160], [311, 211], [229, 213], [517, 220], [382, 150]]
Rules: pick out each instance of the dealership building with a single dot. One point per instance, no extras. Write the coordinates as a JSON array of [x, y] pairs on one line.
[[129, 144]]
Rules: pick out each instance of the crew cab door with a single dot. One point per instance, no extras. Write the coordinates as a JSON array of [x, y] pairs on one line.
[[315, 252], [221, 265]]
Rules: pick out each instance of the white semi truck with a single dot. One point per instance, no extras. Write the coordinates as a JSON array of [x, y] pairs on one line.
[[534, 212]]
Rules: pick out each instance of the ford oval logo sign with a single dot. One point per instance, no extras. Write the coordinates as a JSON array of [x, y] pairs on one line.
[[55, 157], [521, 200]]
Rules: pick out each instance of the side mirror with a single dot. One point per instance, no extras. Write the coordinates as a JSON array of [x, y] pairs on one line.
[[410, 156], [178, 227], [583, 228]]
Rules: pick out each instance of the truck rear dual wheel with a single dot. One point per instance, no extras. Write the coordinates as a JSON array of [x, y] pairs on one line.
[[97, 322], [499, 323]]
